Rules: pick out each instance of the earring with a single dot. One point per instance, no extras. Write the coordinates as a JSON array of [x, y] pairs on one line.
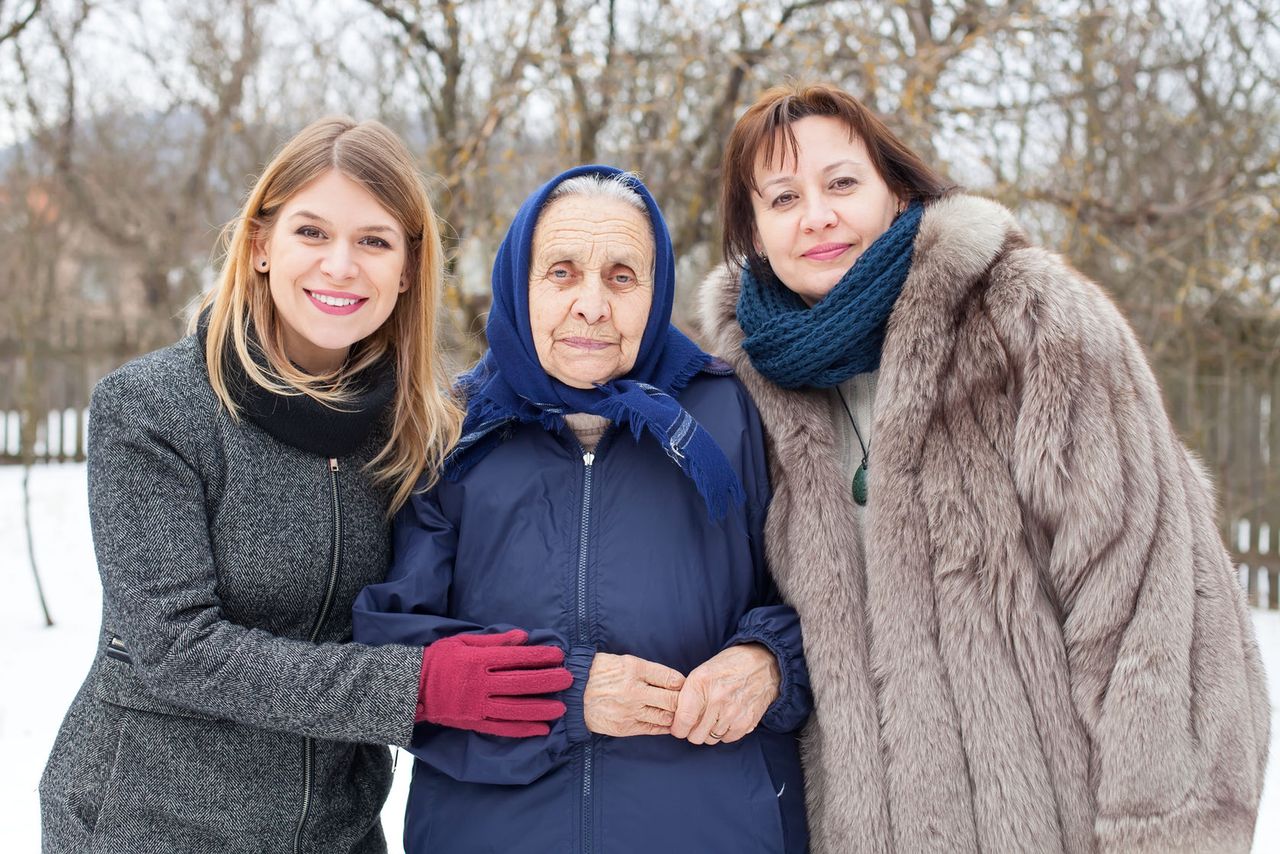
[[262, 264]]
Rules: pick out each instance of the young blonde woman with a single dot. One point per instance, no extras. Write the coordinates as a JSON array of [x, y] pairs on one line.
[[240, 486]]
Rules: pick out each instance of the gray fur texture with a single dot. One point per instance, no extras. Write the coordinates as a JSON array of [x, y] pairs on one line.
[[1047, 649]]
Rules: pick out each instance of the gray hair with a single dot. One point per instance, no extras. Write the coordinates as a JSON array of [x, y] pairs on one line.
[[617, 187]]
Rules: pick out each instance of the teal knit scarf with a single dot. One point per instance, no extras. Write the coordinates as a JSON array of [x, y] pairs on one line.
[[797, 346]]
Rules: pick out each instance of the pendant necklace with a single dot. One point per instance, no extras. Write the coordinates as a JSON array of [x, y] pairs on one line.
[[860, 476]]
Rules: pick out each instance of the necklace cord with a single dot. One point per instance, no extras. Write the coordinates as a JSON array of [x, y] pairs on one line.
[[856, 431]]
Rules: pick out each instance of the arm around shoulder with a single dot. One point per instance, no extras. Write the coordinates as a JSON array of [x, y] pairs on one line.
[[412, 607], [150, 456]]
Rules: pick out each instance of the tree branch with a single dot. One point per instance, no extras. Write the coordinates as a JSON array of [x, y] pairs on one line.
[[18, 26], [412, 29]]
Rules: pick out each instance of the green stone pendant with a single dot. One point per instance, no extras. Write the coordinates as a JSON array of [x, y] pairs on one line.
[[860, 486]]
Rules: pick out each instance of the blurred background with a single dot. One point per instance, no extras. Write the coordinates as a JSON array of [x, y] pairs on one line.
[[1139, 138]]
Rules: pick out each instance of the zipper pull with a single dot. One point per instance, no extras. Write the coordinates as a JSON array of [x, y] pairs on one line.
[[588, 458], [333, 464]]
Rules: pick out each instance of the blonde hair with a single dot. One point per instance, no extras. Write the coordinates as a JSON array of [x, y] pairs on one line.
[[426, 419]]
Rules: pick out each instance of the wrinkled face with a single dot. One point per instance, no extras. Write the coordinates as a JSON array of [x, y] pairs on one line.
[[590, 287], [335, 261], [816, 216]]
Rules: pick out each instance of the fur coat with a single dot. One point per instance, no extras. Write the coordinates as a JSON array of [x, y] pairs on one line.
[[1047, 648]]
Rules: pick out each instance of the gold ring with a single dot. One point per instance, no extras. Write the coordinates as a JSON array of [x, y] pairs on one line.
[[719, 735]]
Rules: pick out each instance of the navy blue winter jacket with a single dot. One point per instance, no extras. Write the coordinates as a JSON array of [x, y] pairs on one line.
[[608, 551]]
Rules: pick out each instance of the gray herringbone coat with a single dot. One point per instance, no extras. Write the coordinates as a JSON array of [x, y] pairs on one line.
[[216, 544], [1046, 649]]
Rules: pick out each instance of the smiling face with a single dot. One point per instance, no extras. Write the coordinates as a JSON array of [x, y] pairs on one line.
[[335, 262], [590, 287], [814, 217]]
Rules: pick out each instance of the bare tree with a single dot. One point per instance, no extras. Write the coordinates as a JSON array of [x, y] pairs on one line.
[[32, 234], [592, 96], [147, 184], [469, 65], [1138, 137], [19, 22], [1141, 140]]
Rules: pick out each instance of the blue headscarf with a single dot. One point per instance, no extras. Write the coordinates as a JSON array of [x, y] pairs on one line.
[[509, 385]]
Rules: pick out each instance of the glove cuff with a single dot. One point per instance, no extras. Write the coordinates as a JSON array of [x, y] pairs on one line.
[[420, 710]]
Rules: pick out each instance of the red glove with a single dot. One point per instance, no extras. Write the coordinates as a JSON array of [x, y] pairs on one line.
[[482, 683]]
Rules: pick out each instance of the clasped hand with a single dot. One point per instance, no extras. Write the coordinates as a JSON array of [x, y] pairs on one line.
[[626, 695], [722, 700]]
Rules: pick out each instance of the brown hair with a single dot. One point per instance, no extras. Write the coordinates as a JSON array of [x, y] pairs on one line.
[[426, 420], [764, 132]]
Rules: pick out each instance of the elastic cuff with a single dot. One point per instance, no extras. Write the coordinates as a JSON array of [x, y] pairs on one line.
[[781, 708], [578, 663]]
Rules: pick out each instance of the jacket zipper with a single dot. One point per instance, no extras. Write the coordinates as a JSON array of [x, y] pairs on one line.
[[309, 743], [583, 624], [584, 532]]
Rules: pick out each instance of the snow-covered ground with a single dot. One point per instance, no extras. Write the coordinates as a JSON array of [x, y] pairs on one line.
[[43, 667]]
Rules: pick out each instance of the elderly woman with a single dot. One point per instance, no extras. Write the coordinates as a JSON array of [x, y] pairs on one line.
[[607, 496], [1023, 631]]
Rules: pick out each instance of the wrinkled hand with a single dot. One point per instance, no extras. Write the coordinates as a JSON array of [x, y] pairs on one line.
[[626, 695], [725, 697]]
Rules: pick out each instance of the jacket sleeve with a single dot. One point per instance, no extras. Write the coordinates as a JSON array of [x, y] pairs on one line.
[[151, 537], [411, 607], [770, 622], [1164, 668], [778, 628]]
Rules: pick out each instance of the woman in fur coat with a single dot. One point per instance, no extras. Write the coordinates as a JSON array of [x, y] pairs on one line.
[[1023, 631]]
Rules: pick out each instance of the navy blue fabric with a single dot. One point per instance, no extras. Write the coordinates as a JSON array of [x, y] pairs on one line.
[[510, 384], [638, 569], [797, 346]]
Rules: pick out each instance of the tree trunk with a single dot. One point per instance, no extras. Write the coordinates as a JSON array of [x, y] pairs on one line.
[[31, 543]]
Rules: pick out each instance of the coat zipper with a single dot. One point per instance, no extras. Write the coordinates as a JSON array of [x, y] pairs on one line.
[[584, 532], [583, 625], [309, 743], [584, 526], [589, 459]]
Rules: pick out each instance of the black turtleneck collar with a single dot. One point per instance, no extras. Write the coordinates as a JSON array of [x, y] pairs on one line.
[[301, 421]]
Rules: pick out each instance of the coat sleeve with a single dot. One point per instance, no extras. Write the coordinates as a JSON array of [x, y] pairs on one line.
[[151, 538], [771, 622], [778, 628], [411, 607], [1164, 667]]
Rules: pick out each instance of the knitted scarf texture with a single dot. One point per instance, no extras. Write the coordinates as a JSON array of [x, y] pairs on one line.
[[303, 422], [796, 346], [509, 384]]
